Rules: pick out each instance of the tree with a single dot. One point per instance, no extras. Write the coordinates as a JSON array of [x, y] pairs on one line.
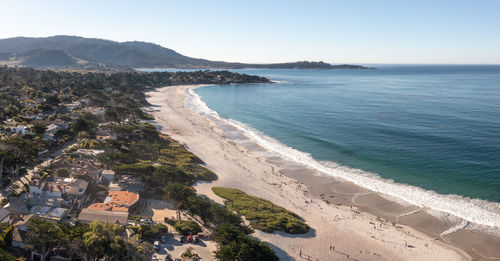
[[61, 172], [166, 174], [105, 241], [246, 249], [179, 192], [151, 232], [226, 233], [73, 238], [187, 226], [43, 236], [39, 128], [52, 100], [110, 114], [6, 256]]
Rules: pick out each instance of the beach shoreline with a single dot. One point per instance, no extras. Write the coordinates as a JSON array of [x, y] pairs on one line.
[[359, 224]]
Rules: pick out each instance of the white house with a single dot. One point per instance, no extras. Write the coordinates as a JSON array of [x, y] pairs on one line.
[[20, 129], [108, 175], [74, 187], [46, 188]]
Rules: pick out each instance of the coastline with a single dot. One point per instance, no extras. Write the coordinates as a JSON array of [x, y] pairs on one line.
[[356, 231]]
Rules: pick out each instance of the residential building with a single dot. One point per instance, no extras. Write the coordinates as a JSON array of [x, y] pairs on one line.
[[115, 217], [19, 233], [120, 201]]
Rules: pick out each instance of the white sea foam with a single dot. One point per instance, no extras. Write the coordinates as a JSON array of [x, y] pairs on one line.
[[478, 211]]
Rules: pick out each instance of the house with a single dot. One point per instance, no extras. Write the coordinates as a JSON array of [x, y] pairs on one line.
[[74, 187], [6, 217], [53, 128], [32, 116], [88, 171], [107, 176], [65, 191], [17, 129], [88, 153], [9, 123], [3, 214], [122, 198], [114, 217], [120, 201], [19, 233], [98, 111], [39, 199], [18, 205], [19, 238], [128, 183], [53, 214], [46, 188]]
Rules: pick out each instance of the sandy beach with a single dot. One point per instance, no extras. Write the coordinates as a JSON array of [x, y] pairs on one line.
[[348, 222]]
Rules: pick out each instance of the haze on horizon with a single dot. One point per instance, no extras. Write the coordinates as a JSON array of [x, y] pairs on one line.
[[362, 32]]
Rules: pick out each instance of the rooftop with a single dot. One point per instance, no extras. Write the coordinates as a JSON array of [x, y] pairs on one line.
[[124, 198], [115, 217], [119, 201], [89, 153]]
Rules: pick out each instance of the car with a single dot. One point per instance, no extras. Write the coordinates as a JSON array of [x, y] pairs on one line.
[[183, 238], [146, 221], [157, 246], [196, 239], [168, 257], [163, 239], [154, 258], [189, 239]]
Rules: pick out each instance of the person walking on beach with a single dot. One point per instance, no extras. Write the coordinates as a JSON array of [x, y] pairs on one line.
[[300, 253]]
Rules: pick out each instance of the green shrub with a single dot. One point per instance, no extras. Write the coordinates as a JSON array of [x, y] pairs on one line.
[[169, 221], [152, 232], [262, 214], [234, 244]]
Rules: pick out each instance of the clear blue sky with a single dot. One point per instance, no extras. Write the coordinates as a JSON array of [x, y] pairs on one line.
[[424, 31]]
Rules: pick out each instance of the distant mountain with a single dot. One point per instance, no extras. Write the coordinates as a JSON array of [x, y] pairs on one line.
[[65, 50], [46, 58], [5, 56]]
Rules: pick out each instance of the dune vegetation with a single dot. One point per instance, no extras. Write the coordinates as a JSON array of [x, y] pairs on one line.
[[262, 214]]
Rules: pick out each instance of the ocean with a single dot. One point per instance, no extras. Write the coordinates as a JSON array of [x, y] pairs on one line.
[[428, 135]]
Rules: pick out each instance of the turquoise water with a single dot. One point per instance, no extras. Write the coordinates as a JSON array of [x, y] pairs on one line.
[[434, 127]]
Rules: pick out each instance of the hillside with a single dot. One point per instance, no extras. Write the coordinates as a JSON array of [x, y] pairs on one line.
[[46, 58], [131, 54]]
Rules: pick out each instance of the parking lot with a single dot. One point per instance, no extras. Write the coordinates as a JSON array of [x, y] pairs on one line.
[[204, 248]]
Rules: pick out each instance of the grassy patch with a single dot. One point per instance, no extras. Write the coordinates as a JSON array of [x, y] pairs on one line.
[[261, 213]]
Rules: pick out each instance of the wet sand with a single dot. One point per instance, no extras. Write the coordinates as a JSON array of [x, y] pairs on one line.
[[478, 244]]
